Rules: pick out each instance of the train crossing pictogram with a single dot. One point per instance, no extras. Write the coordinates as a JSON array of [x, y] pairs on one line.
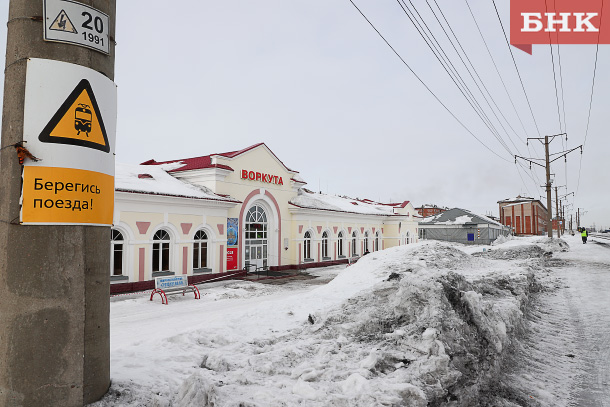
[[78, 121]]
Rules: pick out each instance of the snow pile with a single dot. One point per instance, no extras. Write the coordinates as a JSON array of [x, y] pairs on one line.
[[519, 249], [415, 325], [501, 240]]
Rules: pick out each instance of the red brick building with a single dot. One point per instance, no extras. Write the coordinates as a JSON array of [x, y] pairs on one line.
[[430, 210], [526, 216]]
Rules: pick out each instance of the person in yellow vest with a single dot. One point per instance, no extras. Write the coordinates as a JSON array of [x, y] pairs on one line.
[[584, 235]]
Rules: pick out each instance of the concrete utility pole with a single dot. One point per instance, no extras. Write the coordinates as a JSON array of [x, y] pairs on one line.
[[547, 166], [54, 280], [557, 213], [549, 215]]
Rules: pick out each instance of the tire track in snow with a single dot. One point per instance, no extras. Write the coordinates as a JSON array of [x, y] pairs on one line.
[[544, 373], [588, 297], [563, 358]]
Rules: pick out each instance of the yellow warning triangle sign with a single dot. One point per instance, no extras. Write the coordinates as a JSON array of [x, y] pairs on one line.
[[78, 121], [63, 23]]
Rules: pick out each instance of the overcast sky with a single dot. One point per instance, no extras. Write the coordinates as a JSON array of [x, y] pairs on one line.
[[315, 82]]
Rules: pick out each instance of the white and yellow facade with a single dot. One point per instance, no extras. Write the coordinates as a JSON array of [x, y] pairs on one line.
[[243, 209]]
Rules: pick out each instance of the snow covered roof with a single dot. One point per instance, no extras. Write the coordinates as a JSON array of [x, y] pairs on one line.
[[156, 180], [457, 216], [431, 206], [519, 198], [312, 200], [197, 163]]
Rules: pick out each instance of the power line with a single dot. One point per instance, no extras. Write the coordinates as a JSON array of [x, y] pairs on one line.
[[496, 67], [515, 63], [423, 83], [563, 105], [537, 182], [475, 71], [554, 75], [431, 38], [592, 90], [445, 62]]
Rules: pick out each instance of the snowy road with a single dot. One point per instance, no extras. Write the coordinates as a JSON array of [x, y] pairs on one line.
[[565, 359]]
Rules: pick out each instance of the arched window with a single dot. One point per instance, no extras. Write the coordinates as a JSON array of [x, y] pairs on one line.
[[161, 251], [256, 223], [340, 244], [200, 250], [324, 245], [377, 241], [307, 246], [116, 254], [354, 245], [366, 241]]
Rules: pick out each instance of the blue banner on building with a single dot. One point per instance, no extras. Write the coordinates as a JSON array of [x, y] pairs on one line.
[[232, 231]]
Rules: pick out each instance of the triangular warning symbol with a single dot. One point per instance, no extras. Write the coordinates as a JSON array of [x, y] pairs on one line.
[[78, 121], [63, 23]]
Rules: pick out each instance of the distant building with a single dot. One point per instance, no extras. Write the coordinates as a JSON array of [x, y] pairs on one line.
[[461, 226], [430, 210], [526, 216], [562, 224]]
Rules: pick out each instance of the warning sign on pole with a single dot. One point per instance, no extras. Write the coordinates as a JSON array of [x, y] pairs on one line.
[[76, 23], [78, 121], [69, 126]]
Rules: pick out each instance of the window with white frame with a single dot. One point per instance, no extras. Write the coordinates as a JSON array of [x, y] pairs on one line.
[[200, 250], [366, 241], [408, 237], [116, 254], [340, 244], [377, 241], [354, 244], [324, 244], [161, 242], [307, 245]]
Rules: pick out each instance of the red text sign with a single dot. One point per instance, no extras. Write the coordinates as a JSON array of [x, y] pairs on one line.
[[232, 258], [558, 22], [262, 177]]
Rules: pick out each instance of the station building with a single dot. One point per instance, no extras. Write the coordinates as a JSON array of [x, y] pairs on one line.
[[219, 213], [526, 216]]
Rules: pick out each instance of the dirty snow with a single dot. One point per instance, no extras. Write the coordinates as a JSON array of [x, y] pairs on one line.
[[423, 324]]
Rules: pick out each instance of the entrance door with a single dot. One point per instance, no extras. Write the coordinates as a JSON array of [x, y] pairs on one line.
[[256, 237], [257, 255]]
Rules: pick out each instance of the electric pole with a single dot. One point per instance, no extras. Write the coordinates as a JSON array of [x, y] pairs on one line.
[[557, 213], [54, 274], [547, 167]]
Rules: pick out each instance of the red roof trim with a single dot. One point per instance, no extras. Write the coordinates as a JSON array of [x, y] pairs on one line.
[[233, 154], [194, 163], [197, 163]]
